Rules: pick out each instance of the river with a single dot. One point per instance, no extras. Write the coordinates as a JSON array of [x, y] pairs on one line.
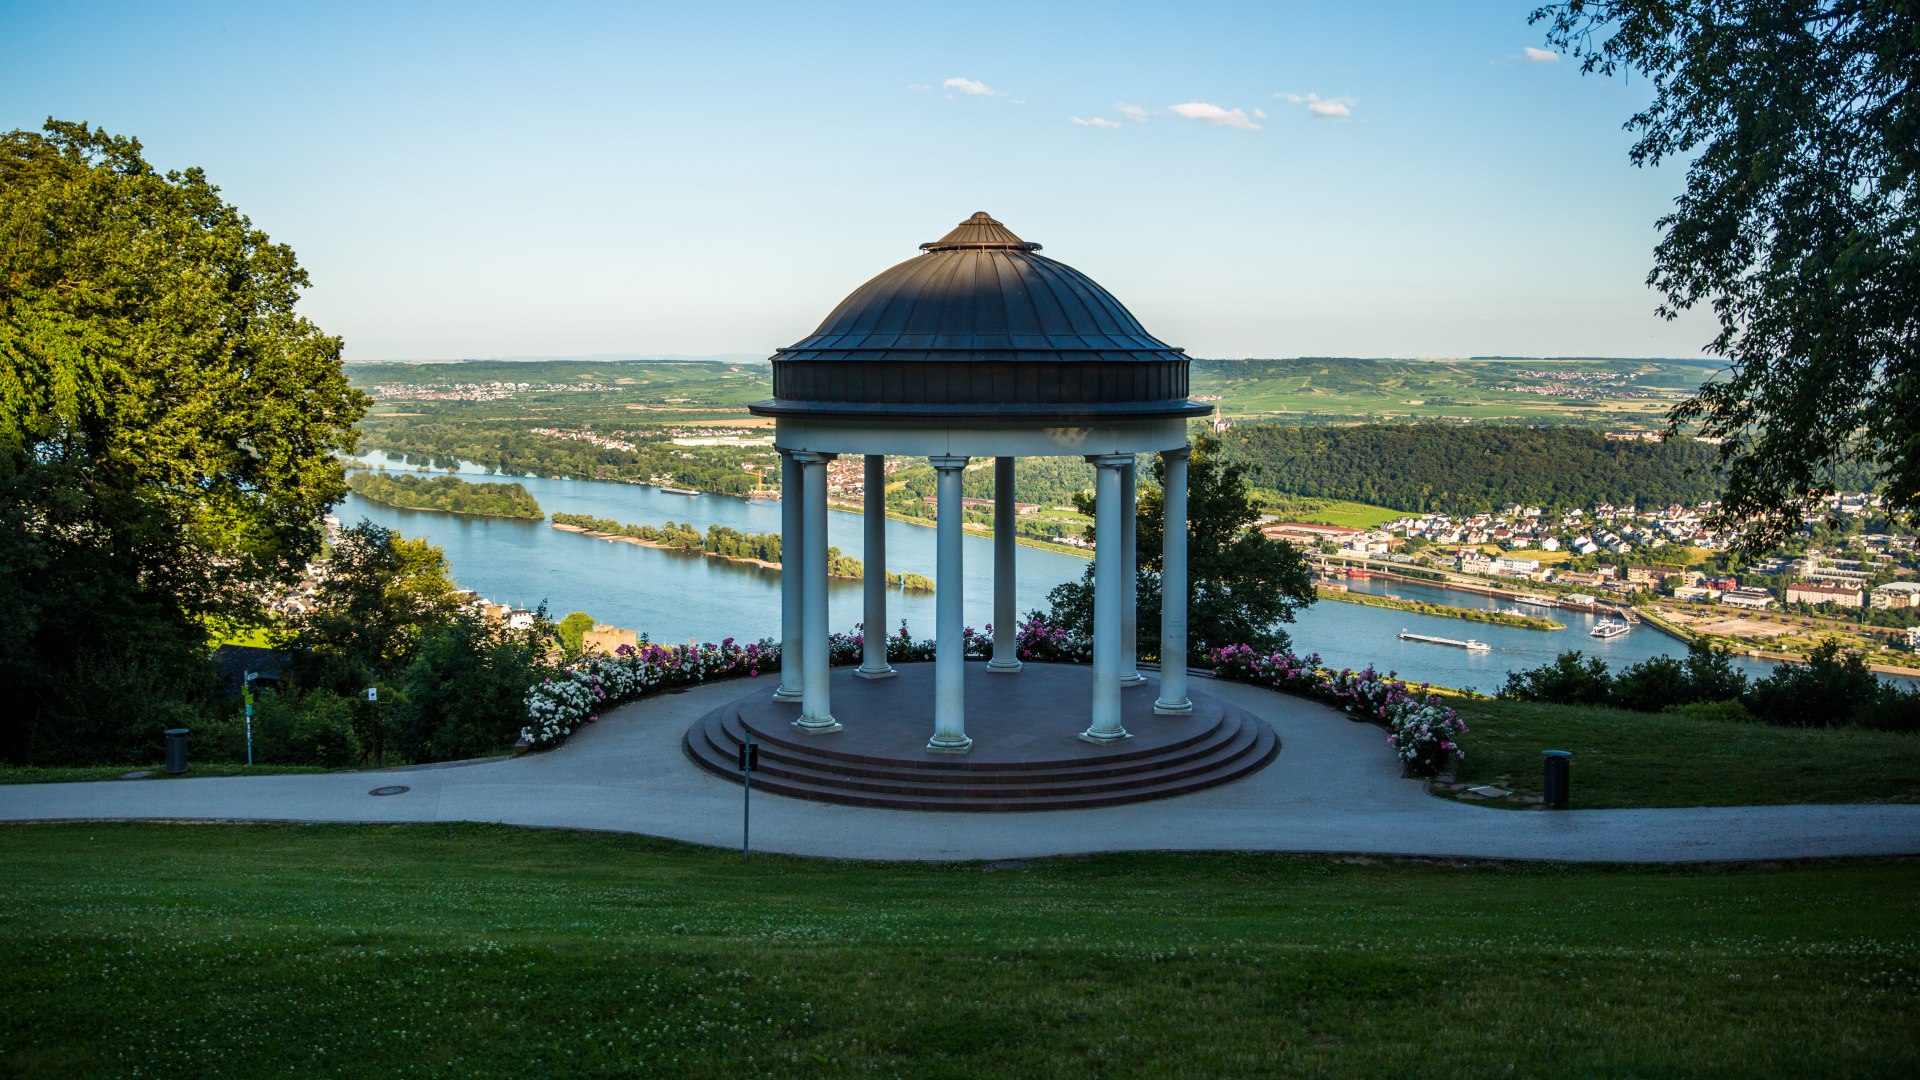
[[673, 596]]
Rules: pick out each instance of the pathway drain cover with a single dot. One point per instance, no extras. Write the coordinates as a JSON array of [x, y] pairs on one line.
[[391, 789]]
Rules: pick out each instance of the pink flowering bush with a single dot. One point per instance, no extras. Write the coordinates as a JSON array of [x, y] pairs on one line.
[[580, 692], [1422, 735], [1420, 728], [1039, 641]]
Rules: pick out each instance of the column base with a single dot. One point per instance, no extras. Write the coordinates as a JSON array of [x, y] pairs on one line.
[[784, 694], [949, 744], [1133, 678], [1104, 738], [875, 673], [816, 725], [1173, 708], [1004, 667]]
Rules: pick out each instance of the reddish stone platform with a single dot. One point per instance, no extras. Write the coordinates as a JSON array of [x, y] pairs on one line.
[[1026, 754]]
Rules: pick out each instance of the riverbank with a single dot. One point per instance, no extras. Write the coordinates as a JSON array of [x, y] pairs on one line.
[[1421, 607], [1742, 633]]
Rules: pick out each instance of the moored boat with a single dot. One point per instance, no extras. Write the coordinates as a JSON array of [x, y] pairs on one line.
[[1606, 629]]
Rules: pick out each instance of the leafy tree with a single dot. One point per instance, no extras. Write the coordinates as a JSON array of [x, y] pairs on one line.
[[168, 426], [380, 595], [1241, 585], [463, 694], [1800, 225], [573, 631]]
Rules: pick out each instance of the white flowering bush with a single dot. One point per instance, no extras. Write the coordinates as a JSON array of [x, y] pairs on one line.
[[1422, 734], [557, 706]]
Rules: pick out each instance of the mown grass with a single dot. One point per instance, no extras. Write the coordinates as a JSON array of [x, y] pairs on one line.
[[1624, 759], [169, 950], [66, 774]]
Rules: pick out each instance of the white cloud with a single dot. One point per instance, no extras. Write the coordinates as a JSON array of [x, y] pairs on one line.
[[1214, 114], [1259, 114], [1541, 56], [972, 87], [1132, 112], [1098, 122], [1319, 106]]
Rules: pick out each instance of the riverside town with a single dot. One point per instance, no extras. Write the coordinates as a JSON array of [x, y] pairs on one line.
[[1027, 548]]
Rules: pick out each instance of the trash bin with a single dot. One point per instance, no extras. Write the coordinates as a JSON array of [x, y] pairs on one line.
[[1559, 767], [176, 751]]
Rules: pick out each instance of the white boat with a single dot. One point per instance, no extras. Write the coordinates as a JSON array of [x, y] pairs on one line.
[[1606, 629], [678, 490], [1536, 601]]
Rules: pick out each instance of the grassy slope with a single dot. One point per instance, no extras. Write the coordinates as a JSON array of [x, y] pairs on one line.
[[1623, 758], [472, 950]]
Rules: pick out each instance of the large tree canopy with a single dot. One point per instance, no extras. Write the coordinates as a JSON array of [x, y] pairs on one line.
[[1799, 225], [168, 424]]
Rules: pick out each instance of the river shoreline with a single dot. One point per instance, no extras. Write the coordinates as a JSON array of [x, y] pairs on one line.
[[1444, 611]]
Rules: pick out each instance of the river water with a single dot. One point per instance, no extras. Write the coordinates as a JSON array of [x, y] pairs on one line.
[[673, 596]]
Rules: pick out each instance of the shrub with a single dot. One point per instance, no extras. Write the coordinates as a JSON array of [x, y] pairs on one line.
[[1893, 709], [1569, 680], [1713, 710], [301, 727], [1422, 733], [460, 697], [1826, 691], [1652, 685], [576, 694], [1042, 642], [1420, 727]]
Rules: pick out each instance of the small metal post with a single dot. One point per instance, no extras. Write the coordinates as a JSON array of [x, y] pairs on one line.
[[373, 699], [749, 761], [246, 695]]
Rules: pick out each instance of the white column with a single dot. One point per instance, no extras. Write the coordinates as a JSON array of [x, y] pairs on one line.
[[816, 709], [1130, 581], [793, 572], [1107, 595], [1005, 629], [949, 620], [873, 648], [1173, 588]]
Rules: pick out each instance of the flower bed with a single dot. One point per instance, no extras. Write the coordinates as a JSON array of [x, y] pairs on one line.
[[1420, 728], [578, 693]]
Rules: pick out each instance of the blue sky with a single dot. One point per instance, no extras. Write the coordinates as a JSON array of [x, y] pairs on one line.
[[1260, 179]]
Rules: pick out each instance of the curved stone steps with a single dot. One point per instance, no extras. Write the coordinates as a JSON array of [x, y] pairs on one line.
[[1024, 757]]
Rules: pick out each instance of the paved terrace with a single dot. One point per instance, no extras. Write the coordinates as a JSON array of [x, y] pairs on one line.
[[1334, 788]]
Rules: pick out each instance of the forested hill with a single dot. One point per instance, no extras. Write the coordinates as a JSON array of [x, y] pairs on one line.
[[1470, 468]]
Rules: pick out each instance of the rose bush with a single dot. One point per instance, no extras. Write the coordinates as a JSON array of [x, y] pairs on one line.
[[1420, 727]]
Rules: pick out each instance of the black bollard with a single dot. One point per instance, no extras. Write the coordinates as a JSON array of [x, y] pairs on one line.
[[1559, 768], [176, 751]]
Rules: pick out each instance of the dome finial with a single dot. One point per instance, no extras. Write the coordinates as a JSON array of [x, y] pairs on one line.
[[980, 233]]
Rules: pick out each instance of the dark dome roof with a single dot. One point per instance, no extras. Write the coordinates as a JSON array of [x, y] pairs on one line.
[[980, 324], [980, 290]]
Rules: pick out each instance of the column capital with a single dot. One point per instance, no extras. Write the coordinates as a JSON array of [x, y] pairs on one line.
[[1178, 453], [810, 457], [948, 461], [1110, 461]]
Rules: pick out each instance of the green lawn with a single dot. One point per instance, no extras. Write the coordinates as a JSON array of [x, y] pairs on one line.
[[472, 950], [1623, 758], [65, 774]]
